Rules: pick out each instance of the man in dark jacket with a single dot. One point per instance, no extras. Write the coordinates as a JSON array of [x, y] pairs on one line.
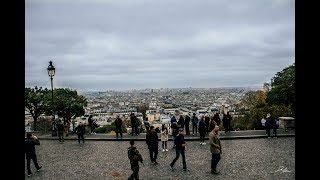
[[152, 142], [134, 123], [118, 123], [135, 157], [216, 118], [187, 123], [80, 130], [180, 149], [29, 149]]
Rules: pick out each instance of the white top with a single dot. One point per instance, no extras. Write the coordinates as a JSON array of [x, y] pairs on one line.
[[164, 135], [263, 121]]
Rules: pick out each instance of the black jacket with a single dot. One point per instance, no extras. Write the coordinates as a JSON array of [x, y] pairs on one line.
[[80, 129], [152, 140], [118, 122], [179, 141], [187, 120], [29, 148], [202, 127]]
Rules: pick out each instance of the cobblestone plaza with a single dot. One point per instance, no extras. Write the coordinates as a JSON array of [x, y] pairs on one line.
[[241, 159]]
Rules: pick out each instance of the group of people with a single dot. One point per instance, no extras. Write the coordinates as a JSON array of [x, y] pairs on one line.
[[180, 146]]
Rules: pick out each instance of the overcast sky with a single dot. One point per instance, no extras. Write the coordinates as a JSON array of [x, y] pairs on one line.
[[135, 44]]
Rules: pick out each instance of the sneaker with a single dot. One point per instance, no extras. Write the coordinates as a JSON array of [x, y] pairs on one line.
[[167, 150], [171, 167], [204, 143], [163, 150], [29, 175], [152, 162], [201, 143], [155, 162], [39, 168], [185, 169]]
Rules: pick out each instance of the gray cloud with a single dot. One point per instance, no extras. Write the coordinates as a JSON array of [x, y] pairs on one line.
[[107, 44]]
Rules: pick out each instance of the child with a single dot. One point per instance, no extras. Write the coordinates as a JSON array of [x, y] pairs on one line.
[[164, 137]]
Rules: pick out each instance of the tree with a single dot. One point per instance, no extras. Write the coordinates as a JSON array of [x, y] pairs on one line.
[[67, 103], [36, 102], [283, 88]]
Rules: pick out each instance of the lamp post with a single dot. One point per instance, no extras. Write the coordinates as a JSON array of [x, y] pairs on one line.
[[51, 71]]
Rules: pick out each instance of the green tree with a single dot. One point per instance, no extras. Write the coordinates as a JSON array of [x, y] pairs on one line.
[[67, 103], [283, 88], [36, 102]]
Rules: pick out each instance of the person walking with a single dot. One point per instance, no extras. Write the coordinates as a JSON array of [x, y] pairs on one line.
[[134, 157], [187, 123], [202, 130], [118, 123], [195, 121], [180, 149], [90, 123], [29, 149], [152, 142], [215, 149], [80, 130], [164, 137]]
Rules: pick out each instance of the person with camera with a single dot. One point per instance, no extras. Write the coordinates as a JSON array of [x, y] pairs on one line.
[[29, 149]]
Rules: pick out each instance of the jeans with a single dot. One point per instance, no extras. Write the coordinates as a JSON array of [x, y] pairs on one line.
[[202, 135], [118, 130], [80, 136], [178, 152], [194, 127], [60, 134], [164, 144], [35, 162], [135, 174], [214, 161], [153, 154]]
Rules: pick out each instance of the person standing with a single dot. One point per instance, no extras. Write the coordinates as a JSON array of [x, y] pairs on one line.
[[152, 142], [216, 118], [90, 123], [215, 149], [229, 118], [180, 149], [268, 124], [207, 122], [80, 130], [195, 121], [118, 123], [202, 130], [135, 157], [181, 122], [175, 131], [225, 123], [29, 149], [60, 129], [134, 124], [164, 137], [187, 123]]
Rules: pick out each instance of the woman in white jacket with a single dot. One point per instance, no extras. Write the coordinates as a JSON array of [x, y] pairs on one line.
[[164, 137]]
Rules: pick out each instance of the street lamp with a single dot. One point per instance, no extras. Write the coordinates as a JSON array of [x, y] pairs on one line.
[[51, 72]]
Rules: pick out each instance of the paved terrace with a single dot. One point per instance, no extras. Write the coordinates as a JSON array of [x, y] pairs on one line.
[[257, 158], [141, 137]]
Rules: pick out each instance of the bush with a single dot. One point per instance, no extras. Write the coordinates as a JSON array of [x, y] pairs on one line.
[[109, 128]]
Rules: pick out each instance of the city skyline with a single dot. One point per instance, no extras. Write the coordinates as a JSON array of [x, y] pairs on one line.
[[121, 45]]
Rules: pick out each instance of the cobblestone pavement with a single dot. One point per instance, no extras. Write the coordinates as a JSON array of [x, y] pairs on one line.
[[241, 159]]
